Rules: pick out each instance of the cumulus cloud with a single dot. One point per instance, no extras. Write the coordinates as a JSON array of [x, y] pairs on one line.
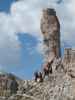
[[24, 17]]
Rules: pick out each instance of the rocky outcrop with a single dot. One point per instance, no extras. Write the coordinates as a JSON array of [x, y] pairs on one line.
[[58, 86], [50, 28], [6, 80]]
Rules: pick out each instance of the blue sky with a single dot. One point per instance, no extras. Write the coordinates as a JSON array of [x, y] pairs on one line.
[[5, 5], [29, 61], [20, 34]]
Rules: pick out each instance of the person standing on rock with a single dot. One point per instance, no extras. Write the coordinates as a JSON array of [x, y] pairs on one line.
[[40, 77], [36, 76]]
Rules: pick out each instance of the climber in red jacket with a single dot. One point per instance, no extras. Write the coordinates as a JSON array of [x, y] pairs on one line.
[[47, 69]]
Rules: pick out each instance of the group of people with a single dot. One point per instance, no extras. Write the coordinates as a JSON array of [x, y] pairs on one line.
[[47, 69]]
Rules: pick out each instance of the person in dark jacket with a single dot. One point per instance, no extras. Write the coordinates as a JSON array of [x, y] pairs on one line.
[[38, 77]]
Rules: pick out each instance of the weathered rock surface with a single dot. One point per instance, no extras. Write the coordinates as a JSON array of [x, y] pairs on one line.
[[58, 86], [5, 83], [50, 28]]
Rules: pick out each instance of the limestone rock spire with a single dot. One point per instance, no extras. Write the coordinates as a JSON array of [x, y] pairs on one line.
[[50, 28]]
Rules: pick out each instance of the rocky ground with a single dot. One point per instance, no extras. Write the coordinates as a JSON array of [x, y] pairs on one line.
[[58, 86]]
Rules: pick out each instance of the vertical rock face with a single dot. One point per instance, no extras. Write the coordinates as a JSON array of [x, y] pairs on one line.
[[50, 28], [73, 56], [69, 55]]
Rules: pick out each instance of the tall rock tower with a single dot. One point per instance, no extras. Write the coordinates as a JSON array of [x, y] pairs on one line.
[[50, 28]]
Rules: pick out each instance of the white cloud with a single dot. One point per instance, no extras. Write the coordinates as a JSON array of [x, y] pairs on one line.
[[25, 17]]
